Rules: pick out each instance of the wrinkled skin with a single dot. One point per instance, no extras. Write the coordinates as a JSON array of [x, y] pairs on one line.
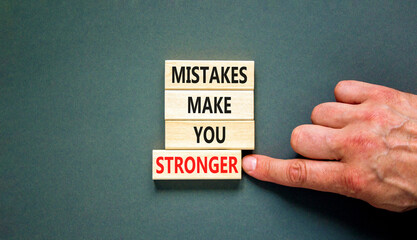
[[370, 132]]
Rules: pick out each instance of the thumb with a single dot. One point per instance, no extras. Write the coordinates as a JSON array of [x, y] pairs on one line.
[[319, 175]]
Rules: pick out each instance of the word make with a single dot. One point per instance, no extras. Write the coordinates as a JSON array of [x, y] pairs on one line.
[[194, 105], [209, 105]]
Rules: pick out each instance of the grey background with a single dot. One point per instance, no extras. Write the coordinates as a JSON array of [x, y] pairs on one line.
[[81, 108]]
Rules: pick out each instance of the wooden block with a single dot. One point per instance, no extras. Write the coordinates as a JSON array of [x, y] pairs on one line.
[[210, 134], [219, 105], [196, 164], [196, 74]]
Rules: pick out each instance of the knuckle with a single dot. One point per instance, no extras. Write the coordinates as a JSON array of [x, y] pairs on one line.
[[353, 183], [374, 114], [266, 169], [401, 99], [361, 142], [297, 172], [380, 115], [410, 99], [335, 145], [388, 95]]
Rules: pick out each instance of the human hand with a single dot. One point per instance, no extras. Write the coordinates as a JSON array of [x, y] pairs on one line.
[[372, 133]]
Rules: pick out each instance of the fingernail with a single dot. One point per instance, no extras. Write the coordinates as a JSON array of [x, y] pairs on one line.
[[249, 163]]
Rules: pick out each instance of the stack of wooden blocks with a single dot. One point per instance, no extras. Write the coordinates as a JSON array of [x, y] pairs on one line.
[[209, 119]]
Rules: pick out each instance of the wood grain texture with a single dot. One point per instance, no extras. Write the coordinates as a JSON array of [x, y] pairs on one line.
[[196, 164], [207, 105], [223, 134], [202, 74]]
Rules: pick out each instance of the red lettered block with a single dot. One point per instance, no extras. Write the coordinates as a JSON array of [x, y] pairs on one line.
[[196, 164]]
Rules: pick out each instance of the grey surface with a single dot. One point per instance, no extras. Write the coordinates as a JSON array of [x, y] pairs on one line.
[[81, 108]]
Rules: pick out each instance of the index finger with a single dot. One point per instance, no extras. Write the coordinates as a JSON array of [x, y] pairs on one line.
[[327, 176]]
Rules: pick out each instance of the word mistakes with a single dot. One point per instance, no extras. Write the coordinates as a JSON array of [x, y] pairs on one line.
[[209, 74]]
